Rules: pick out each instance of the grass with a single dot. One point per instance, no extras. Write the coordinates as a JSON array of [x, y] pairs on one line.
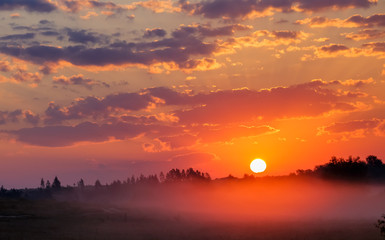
[[50, 219]]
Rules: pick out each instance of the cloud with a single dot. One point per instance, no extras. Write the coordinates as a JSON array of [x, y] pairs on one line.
[[371, 49], [14, 37], [94, 107], [21, 75], [157, 6], [375, 47], [351, 22], [263, 38], [175, 51], [31, 117], [354, 129], [60, 136], [241, 9], [84, 37], [183, 120], [16, 115], [178, 141], [5, 66], [155, 32], [374, 20], [186, 50], [76, 6], [208, 31], [237, 106], [365, 34], [78, 80], [28, 5], [332, 48], [7, 116], [352, 126]]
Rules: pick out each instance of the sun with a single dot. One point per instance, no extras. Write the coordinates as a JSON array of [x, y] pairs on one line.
[[258, 165]]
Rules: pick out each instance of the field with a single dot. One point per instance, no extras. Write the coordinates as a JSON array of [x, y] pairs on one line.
[[50, 219]]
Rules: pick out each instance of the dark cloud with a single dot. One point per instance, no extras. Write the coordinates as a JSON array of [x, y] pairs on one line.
[[167, 50], [375, 46], [31, 118], [170, 96], [317, 5], [44, 21], [179, 141], [82, 36], [304, 100], [79, 80], [60, 136], [353, 126], [156, 32], [285, 34], [233, 9], [5, 66], [139, 119], [28, 5], [365, 34], [10, 116], [207, 30], [334, 48], [282, 21], [17, 115], [374, 20], [186, 44], [93, 107], [50, 33], [21, 75], [18, 36]]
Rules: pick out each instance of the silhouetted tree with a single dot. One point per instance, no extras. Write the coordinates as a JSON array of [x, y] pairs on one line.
[[349, 169], [381, 225], [161, 177], [98, 184], [376, 169], [2, 189], [133, 180], [56, 183], [373, 161], [81, 183], [42, 184], [175, 175], [47, 184]]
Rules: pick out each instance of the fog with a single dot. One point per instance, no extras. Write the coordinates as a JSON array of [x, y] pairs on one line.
[[288, 200]]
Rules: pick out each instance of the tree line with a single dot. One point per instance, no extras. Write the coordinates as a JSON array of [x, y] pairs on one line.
[[350, 169]]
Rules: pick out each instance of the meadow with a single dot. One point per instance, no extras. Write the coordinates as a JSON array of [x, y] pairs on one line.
[[269, 209]]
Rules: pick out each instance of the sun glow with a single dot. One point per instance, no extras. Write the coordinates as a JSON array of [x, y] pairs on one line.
[[258, 165]]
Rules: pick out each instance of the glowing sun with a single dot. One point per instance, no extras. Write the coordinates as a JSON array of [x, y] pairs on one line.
[[258, 165]]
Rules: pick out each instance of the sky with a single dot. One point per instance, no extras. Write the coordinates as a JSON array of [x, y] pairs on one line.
[[107, 89]]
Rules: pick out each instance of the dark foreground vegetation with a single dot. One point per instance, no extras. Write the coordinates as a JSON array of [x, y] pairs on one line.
[[342, 199]]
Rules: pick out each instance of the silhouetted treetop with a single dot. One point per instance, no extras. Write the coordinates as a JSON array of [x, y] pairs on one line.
[[56, 183], [352, 169], [175, 175]]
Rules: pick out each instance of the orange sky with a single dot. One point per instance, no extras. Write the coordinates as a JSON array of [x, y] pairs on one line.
[[104, 90]]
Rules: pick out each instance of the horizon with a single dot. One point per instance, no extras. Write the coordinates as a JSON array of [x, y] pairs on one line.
[[110, 89], [372, 171]]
